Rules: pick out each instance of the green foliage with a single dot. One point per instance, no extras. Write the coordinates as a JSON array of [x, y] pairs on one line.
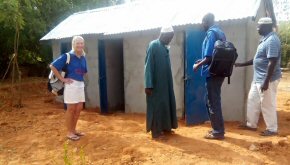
[[35, 18], [10, 14], [82, 154], [67, 156], [284, 33]]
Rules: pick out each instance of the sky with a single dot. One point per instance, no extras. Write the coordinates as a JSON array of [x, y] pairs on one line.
[[282, 9]]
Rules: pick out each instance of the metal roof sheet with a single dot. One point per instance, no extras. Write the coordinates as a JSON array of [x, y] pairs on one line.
[[150, 14]]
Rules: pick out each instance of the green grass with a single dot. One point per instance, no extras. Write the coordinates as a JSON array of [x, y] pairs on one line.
[[69, 156]]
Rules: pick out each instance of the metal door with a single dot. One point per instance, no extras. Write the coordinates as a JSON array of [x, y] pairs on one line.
[[195, 92]]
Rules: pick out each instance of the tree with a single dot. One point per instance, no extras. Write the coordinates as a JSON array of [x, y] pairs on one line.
[[15, 21], [24, 22], [284, 33], [35, 18]]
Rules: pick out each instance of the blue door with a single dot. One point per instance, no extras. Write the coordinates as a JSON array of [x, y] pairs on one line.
[[102, 77], [195, 92]]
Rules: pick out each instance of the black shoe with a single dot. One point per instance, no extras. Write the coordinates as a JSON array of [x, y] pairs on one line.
[[268, 133], [214, 137]]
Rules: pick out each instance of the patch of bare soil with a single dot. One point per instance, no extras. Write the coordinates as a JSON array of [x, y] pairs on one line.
[[35, 134]]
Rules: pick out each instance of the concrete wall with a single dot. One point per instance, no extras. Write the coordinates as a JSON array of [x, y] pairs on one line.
[[233, 95], [92, 81], [244, 35], [115, 75], [55, 48], [252, 44], [177, 64], [134, 58]]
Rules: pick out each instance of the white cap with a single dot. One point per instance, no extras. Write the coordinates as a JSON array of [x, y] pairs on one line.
[[265, 20], [167, 29]]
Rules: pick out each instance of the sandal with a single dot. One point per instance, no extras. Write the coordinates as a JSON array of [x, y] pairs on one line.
[[80, 134], [73, 137], [268, 133]]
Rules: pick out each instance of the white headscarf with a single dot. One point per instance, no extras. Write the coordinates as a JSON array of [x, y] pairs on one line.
[[167, 29]]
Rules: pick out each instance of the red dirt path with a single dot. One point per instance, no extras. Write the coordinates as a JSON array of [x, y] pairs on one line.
[[35, 134]]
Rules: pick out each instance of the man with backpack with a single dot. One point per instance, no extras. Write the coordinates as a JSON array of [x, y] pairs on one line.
[[213, 83], [267, 73]]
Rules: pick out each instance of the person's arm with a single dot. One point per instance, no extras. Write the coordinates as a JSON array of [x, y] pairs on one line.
[[250, 62], [199, 63], [270, 70], [149, 70], [208, 50], [273, 54], [57, 74], [57, 65]]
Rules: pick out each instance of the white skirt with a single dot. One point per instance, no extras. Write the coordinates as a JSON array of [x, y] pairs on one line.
[[74, 93]]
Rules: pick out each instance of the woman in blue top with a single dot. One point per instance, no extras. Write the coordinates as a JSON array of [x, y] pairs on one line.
[[74, 94]]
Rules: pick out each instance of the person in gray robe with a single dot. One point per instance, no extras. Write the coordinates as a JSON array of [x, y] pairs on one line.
[[160, 98]]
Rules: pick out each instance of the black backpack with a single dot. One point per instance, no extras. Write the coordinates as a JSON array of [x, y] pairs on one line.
[[223, 59], [54, 85]]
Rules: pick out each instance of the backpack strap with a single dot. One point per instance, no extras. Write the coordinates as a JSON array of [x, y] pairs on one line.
[[215, 34]]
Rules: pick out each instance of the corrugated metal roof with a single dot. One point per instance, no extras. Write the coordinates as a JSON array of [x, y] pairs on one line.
[[150, 14]]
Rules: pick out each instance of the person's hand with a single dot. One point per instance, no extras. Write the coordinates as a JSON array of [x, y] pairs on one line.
[[148, 91], [67, 80], [238, 65], [265, 86], [195, 67], [198, 61]]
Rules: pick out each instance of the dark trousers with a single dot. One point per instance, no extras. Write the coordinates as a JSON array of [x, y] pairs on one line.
[[213, 86]]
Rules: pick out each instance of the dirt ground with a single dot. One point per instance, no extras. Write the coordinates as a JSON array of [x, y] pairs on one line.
[[35, 134]]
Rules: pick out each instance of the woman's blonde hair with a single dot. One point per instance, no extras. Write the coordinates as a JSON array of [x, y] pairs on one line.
[[74, 40]]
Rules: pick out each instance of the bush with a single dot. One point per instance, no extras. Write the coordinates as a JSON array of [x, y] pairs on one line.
[[284, 33]]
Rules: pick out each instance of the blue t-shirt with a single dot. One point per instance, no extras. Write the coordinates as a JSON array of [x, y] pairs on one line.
[[76, 68], [213, 34], [269, 47]]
